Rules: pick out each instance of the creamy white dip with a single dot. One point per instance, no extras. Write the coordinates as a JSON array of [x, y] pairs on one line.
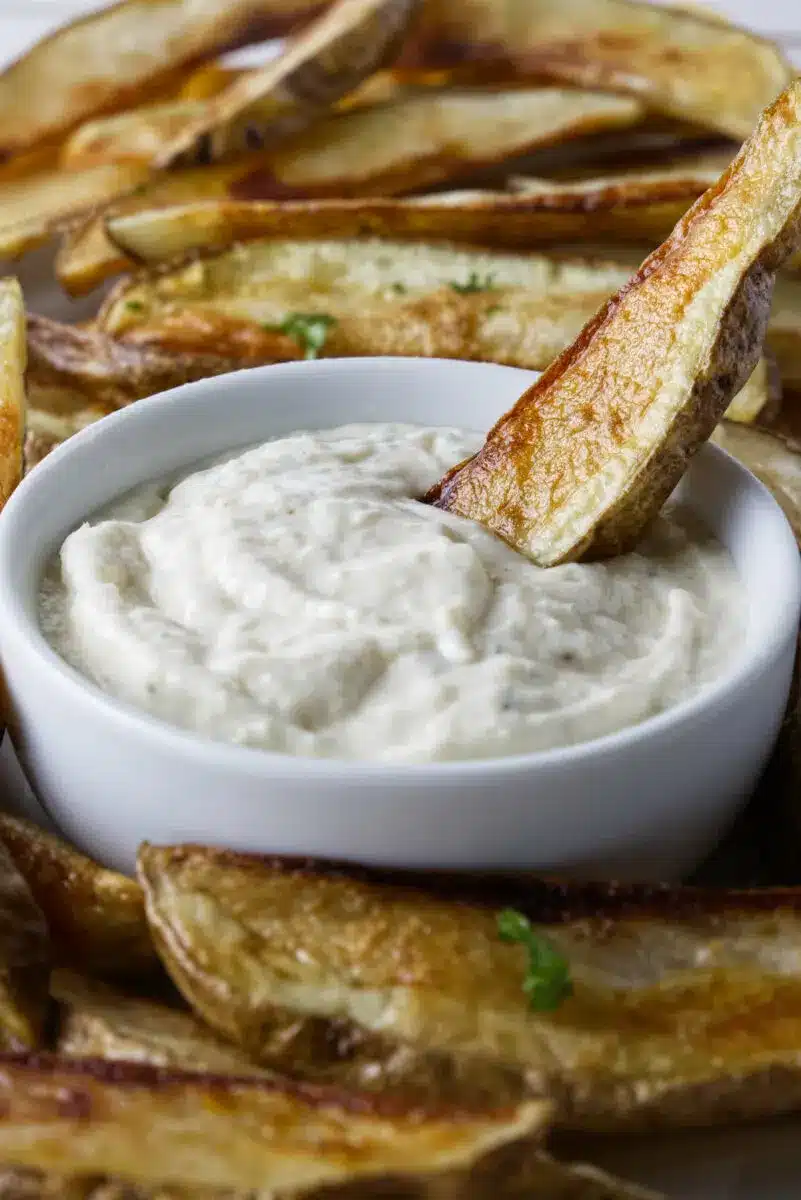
[[298, 598]]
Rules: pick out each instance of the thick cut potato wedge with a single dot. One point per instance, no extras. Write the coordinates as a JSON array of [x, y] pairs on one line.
[[115, 56], [771, 460], [98, 1022], [154, 1125], [45, 430], [679, 61], [539, 1177], [423, 138], [96, 918], [13, 358], [685, 1004], [330, 58], [627, 208], [70, 369], [387, 297], [24, 961], [34, 205], [647, 380]]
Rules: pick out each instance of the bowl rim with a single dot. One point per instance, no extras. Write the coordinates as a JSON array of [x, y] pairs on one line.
[[15, 623]]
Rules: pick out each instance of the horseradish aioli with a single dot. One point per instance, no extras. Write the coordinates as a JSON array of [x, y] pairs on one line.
[[298, 598]]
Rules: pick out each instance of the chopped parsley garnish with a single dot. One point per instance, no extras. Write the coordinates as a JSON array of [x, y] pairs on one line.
[[400, 288], [547, 981], [474, 284], [134, 306], [309, 330]]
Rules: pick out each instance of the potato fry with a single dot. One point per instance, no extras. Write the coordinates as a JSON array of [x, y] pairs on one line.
[[625, 209], [678, 61], [95, 917], [104, 60], [326, 61], [387, 297], [33, 206], [12, 386], [233, 1131], [683, 1001], [24, 961], [647, 380]]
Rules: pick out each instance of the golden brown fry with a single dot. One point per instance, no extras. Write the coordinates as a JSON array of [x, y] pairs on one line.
[[98, 1022], [108, 58], [24, 961], [628, 209], [771, 460], [12, 385], [45, 429], [328, 59], [685, 1002], [96, 918], [72, 369], [36, 204], [650, 376], [386, 297], [155, 1125], [682, 62], [538, 1177]]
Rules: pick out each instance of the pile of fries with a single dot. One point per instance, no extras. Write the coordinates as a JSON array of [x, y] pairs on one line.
[[304, 206], [231, 1027]]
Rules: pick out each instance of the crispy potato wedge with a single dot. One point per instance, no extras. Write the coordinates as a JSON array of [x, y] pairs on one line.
[[387, 297], [423, 138], [108, 58], [24, 961], [12, 385], [326, 60], [98, 1022], [236, 1131], [628, 209], [96, 918], [33, 206], [46, 430], [72, 369], [539, 1177], [427, 137], [685, 1004], [647, 380], [771, 460], [678, 61]]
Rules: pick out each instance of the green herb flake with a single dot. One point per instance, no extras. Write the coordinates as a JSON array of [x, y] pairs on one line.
[[399, 288], [474, 284], [310, 330], [134, 306], [547, 981], [493, 309]]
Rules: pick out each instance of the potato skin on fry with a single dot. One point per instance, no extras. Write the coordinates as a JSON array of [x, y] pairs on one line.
[[649, 377], [685, 1002], [25, 955], [96, 918]]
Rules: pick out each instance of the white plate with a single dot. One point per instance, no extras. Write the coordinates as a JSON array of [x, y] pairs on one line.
[[755, 1163]]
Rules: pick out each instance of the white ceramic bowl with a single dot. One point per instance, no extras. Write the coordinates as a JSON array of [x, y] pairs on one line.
[[648, 802]]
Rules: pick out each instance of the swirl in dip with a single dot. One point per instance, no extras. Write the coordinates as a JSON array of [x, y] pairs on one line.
[[297, 598]]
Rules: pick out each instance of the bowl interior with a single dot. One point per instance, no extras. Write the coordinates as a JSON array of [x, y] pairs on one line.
[[166, 433]]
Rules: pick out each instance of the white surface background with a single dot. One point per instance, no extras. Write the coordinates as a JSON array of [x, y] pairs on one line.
[[761, 1163]]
